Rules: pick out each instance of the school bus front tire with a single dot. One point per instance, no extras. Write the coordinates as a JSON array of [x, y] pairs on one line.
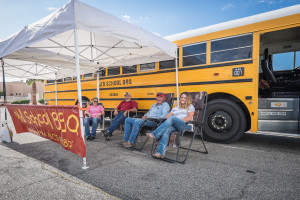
[[224, 121]]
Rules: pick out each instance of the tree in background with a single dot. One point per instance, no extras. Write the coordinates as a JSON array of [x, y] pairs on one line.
[[32, 83]]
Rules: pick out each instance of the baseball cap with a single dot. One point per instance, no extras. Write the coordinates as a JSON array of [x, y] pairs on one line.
[[127, 93], [161, 94]]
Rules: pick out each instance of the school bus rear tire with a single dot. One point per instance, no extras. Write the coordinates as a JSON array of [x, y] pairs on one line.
[[224, 121]]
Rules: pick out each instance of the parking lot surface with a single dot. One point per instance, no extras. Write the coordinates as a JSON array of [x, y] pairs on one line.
[[256, 167]]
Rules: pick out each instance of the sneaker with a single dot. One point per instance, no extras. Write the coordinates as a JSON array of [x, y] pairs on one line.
[[106, 133], [92, 138], [88, 137], [108, 138]]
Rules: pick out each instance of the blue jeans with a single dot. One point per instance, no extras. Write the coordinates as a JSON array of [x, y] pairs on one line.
[[117, 121], [95, 122], [132, 128], [172, 124]]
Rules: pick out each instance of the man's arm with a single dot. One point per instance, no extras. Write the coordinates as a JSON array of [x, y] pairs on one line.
[[165, 110], [118, 108]]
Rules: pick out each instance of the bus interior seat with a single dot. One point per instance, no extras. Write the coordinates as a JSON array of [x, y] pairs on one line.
[[267, 69]]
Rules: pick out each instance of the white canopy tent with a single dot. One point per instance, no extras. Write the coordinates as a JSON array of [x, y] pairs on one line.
[[103, 41], [80, 34]]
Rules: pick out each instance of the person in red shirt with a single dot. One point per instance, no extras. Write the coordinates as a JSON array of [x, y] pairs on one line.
[[93, 115], [121, 112]]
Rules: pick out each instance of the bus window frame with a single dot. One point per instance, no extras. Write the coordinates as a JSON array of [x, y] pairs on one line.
[[132, 72], [174, 60], [294, 60], [83, 76], [224, 50], [151, 70], [107, 71], [70, 79], [191, 55], [61, 80]]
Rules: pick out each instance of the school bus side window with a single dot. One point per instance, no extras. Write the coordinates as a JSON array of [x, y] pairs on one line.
[[59, 80], [286, 61], [113, 71], [194, 54], [86, 76], [129, 69], [68, 79], [232, 48], [168, 64], [147, 67], [50, 81]]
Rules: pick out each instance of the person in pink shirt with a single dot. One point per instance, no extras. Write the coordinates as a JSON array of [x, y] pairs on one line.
[[93, 115]]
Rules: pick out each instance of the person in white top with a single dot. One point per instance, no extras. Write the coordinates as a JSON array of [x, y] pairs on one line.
[[176, 121]]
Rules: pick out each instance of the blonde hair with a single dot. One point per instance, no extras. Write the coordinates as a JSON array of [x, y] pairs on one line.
[[188, 102]]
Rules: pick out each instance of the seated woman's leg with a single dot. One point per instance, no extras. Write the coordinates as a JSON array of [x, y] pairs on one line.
[[161, 149], [87, 126], [94, 127], [163, 127], [179, 124]]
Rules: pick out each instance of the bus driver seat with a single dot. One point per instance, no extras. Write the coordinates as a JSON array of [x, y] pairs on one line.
[[266, 66]]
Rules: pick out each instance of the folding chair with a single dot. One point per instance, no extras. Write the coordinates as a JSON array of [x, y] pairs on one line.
[[178, 140], [142, 139]]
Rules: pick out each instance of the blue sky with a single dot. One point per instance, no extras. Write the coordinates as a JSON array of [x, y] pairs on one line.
[[164, 17]]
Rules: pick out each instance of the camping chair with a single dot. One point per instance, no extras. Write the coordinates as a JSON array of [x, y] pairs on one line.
[[182, 143], [142, 139]]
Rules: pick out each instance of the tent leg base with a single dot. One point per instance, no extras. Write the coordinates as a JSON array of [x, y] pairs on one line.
[[84, 166]]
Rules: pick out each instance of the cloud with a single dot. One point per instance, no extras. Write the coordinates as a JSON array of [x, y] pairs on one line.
[[268, 1], [227, 6], [126, 18], [134, 21], [51, 8], [144, 18]]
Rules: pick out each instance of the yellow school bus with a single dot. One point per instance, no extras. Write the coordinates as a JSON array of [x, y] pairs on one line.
[[249, 68]]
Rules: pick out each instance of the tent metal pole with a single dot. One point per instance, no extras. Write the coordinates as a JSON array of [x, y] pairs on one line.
[[4, 86], [98, 96], [177, 88], [84, 166], [55, 88]]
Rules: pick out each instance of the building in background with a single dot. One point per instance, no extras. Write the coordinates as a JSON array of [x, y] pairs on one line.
[[20, 90]]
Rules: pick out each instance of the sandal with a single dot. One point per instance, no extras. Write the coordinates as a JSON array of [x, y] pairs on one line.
[[127, 145], [150, 135], [158, 156]]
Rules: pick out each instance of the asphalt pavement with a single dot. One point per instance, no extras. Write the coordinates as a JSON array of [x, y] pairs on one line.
[[256, 167]]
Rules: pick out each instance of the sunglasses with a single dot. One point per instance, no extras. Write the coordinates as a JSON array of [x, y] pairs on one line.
[[95, 101]]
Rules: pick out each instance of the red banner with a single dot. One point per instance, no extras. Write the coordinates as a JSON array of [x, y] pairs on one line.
[[59, 124]]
